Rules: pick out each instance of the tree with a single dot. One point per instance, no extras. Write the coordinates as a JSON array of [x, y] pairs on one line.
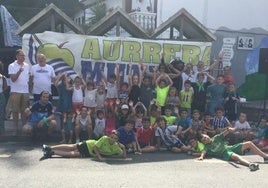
[[98, 12]]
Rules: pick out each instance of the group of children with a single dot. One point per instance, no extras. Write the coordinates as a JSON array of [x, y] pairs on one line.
[[150, 112]]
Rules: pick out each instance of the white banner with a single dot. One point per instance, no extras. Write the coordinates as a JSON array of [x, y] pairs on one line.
[[78, 54]]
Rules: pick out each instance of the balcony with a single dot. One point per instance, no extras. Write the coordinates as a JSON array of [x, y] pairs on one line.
[[147, 20]]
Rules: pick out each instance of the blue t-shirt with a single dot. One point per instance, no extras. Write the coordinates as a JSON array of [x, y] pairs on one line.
[[262, 131], [126, 137], [184, 123], [39, 111], [216, 91]]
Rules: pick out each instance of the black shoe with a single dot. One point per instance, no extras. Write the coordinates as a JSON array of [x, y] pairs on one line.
[[45, 148], [47, 151], [48, 154]]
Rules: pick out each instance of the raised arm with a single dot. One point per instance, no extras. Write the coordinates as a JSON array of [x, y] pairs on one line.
[[140, 72], [130, 75], [102, 74]]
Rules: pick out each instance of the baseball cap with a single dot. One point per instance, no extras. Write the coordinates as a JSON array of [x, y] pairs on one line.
[[124, 106]]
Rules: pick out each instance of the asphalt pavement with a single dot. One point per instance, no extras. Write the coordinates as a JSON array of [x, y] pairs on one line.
[[20, 166]]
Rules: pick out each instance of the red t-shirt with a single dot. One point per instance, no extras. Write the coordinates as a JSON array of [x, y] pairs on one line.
[[144, 135]]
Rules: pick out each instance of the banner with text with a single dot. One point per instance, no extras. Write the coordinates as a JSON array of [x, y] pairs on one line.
[[80, 54]]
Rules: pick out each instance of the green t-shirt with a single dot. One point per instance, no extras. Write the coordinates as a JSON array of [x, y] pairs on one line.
[[161, 95], [105, 148], [200, 147], [217, 146], [186, 98], [171, 120]]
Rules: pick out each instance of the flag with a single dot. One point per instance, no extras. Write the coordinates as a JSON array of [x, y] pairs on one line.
[[10, 27]]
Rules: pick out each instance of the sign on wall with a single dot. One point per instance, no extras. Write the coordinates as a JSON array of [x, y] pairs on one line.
[[245, 43]]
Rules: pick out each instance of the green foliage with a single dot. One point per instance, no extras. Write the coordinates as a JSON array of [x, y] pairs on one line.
[[98, 12]]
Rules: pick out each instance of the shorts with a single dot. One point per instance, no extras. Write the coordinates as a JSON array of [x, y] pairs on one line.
[[19, 101], [77, 106], [82, 148], [237, 148], [143, 145], [33, 124], [69, 126]]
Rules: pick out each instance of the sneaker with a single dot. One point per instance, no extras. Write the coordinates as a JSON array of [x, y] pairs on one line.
[[45, 148], [130, 150], [253, 166], [265, 160], [48, 154]]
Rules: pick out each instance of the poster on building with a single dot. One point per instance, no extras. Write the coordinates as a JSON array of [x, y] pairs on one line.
[[82, 54]]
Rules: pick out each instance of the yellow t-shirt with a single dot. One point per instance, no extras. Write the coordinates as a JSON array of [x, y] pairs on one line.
[[104, 147], [161, 94]]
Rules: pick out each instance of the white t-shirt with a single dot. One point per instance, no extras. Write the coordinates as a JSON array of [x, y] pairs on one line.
[[77, 96], [21, 84], [112, 91], [42, 78], [90, 98], [99, 126], [239, 125]]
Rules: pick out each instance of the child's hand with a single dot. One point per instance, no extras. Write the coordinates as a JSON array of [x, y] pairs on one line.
[[152, 101], [101, 67], [88, 74], [200, 158], [145, 67], [155, 68], [89, 111], [130, 103], [173, 137], [117, 101]]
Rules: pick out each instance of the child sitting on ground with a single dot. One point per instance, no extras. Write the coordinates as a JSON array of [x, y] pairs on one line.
[[242, 129], [83, 125], [219, 121], [168, 135], [260, 140], [206, 125], [127, 137], [196, 147], [171, 119], [145, 135]]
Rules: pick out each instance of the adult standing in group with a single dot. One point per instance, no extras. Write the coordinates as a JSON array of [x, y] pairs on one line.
[[41, 77], [19, 87]]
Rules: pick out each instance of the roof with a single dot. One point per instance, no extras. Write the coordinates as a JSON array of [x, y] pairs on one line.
[[47, 20], [186, 24], [118, 18]]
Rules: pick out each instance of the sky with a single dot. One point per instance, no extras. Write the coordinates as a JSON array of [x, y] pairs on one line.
[[234, 14]]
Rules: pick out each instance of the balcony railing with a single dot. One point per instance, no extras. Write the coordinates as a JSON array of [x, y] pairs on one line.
[[145, 19]]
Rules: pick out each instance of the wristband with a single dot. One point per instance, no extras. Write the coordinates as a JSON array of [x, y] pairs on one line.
[[45, 121]]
